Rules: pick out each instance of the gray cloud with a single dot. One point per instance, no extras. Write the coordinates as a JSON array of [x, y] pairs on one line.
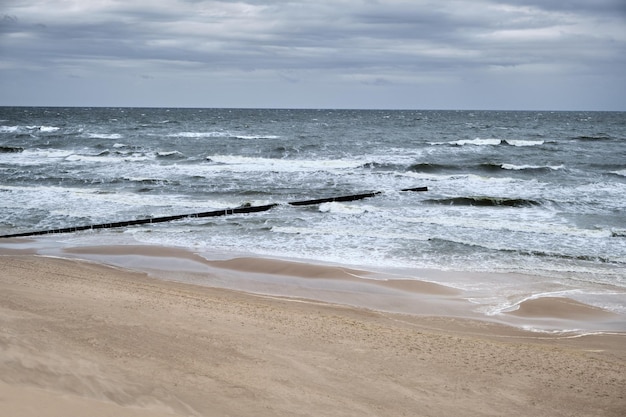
[[438, 48]]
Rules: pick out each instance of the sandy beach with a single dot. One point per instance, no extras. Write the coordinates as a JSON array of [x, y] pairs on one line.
[[80, 338]]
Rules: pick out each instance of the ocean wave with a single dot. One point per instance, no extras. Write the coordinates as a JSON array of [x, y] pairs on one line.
[[526, 252], [83, 158], [94, 202], [541, 224], [339, 231], [484, 202], [9, 129], [216, 134], [38, 156], [484, 167], [383, 166], [48, 128], [104, 136], [250, 137], [593, 138], [545, 168], [246, 163], [515, 142], [620, 172], [289, 148], [45, 129], [491, 142], [341, 208], [221, 134], [285, 150], [10, 149], [16, 129], [110, 157], [170, 155], [572, 257], [477, 142], [147, 181], [43, 156], [431, 168]]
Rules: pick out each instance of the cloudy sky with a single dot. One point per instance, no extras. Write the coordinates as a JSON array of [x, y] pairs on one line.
[[404, 54]]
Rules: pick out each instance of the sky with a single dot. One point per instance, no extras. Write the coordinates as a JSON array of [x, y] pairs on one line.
[[375, 54]]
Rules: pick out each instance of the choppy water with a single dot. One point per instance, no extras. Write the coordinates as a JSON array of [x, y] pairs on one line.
[[540, 193]]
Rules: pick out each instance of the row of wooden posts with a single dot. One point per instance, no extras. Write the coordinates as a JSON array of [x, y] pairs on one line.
[[216, 213]]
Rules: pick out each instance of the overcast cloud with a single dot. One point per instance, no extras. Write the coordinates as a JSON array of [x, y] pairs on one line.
[[416, 54]]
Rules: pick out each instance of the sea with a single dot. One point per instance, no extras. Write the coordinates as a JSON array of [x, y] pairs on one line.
[[534, 200]]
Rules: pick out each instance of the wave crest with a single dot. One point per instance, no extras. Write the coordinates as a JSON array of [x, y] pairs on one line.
[[545, 168], [492, 142]]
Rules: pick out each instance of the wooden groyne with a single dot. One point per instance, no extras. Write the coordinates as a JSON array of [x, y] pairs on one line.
[[215, 213]]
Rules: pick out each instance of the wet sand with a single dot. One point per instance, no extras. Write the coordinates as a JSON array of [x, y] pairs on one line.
[[81, 338]]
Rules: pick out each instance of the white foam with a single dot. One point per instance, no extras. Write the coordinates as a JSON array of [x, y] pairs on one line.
[[104, 136], [93, 202], [348, 231], [507, 306], [245, 164], [108, 159], [491, 142], [157, 203], [48, 128], [514, 142], [341, 208], [522, 167], [457, 184], [250, 137], [30, 157], [216, 134], [9, 129], [169, 153], [477, 142]]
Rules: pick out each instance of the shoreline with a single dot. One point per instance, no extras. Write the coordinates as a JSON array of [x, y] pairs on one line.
[[81, 337], [415, 292]]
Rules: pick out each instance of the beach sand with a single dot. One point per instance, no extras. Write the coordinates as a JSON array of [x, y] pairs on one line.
[[83, 339]]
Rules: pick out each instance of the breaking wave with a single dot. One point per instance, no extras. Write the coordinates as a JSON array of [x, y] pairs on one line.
[[535, 168], [491, 142], [104, 136], [484, 202], [485, 167]]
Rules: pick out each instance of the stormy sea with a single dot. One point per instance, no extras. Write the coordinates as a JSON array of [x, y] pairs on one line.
[[537, 197]]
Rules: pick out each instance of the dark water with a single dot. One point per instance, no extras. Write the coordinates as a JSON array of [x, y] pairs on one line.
[[539, 193]]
